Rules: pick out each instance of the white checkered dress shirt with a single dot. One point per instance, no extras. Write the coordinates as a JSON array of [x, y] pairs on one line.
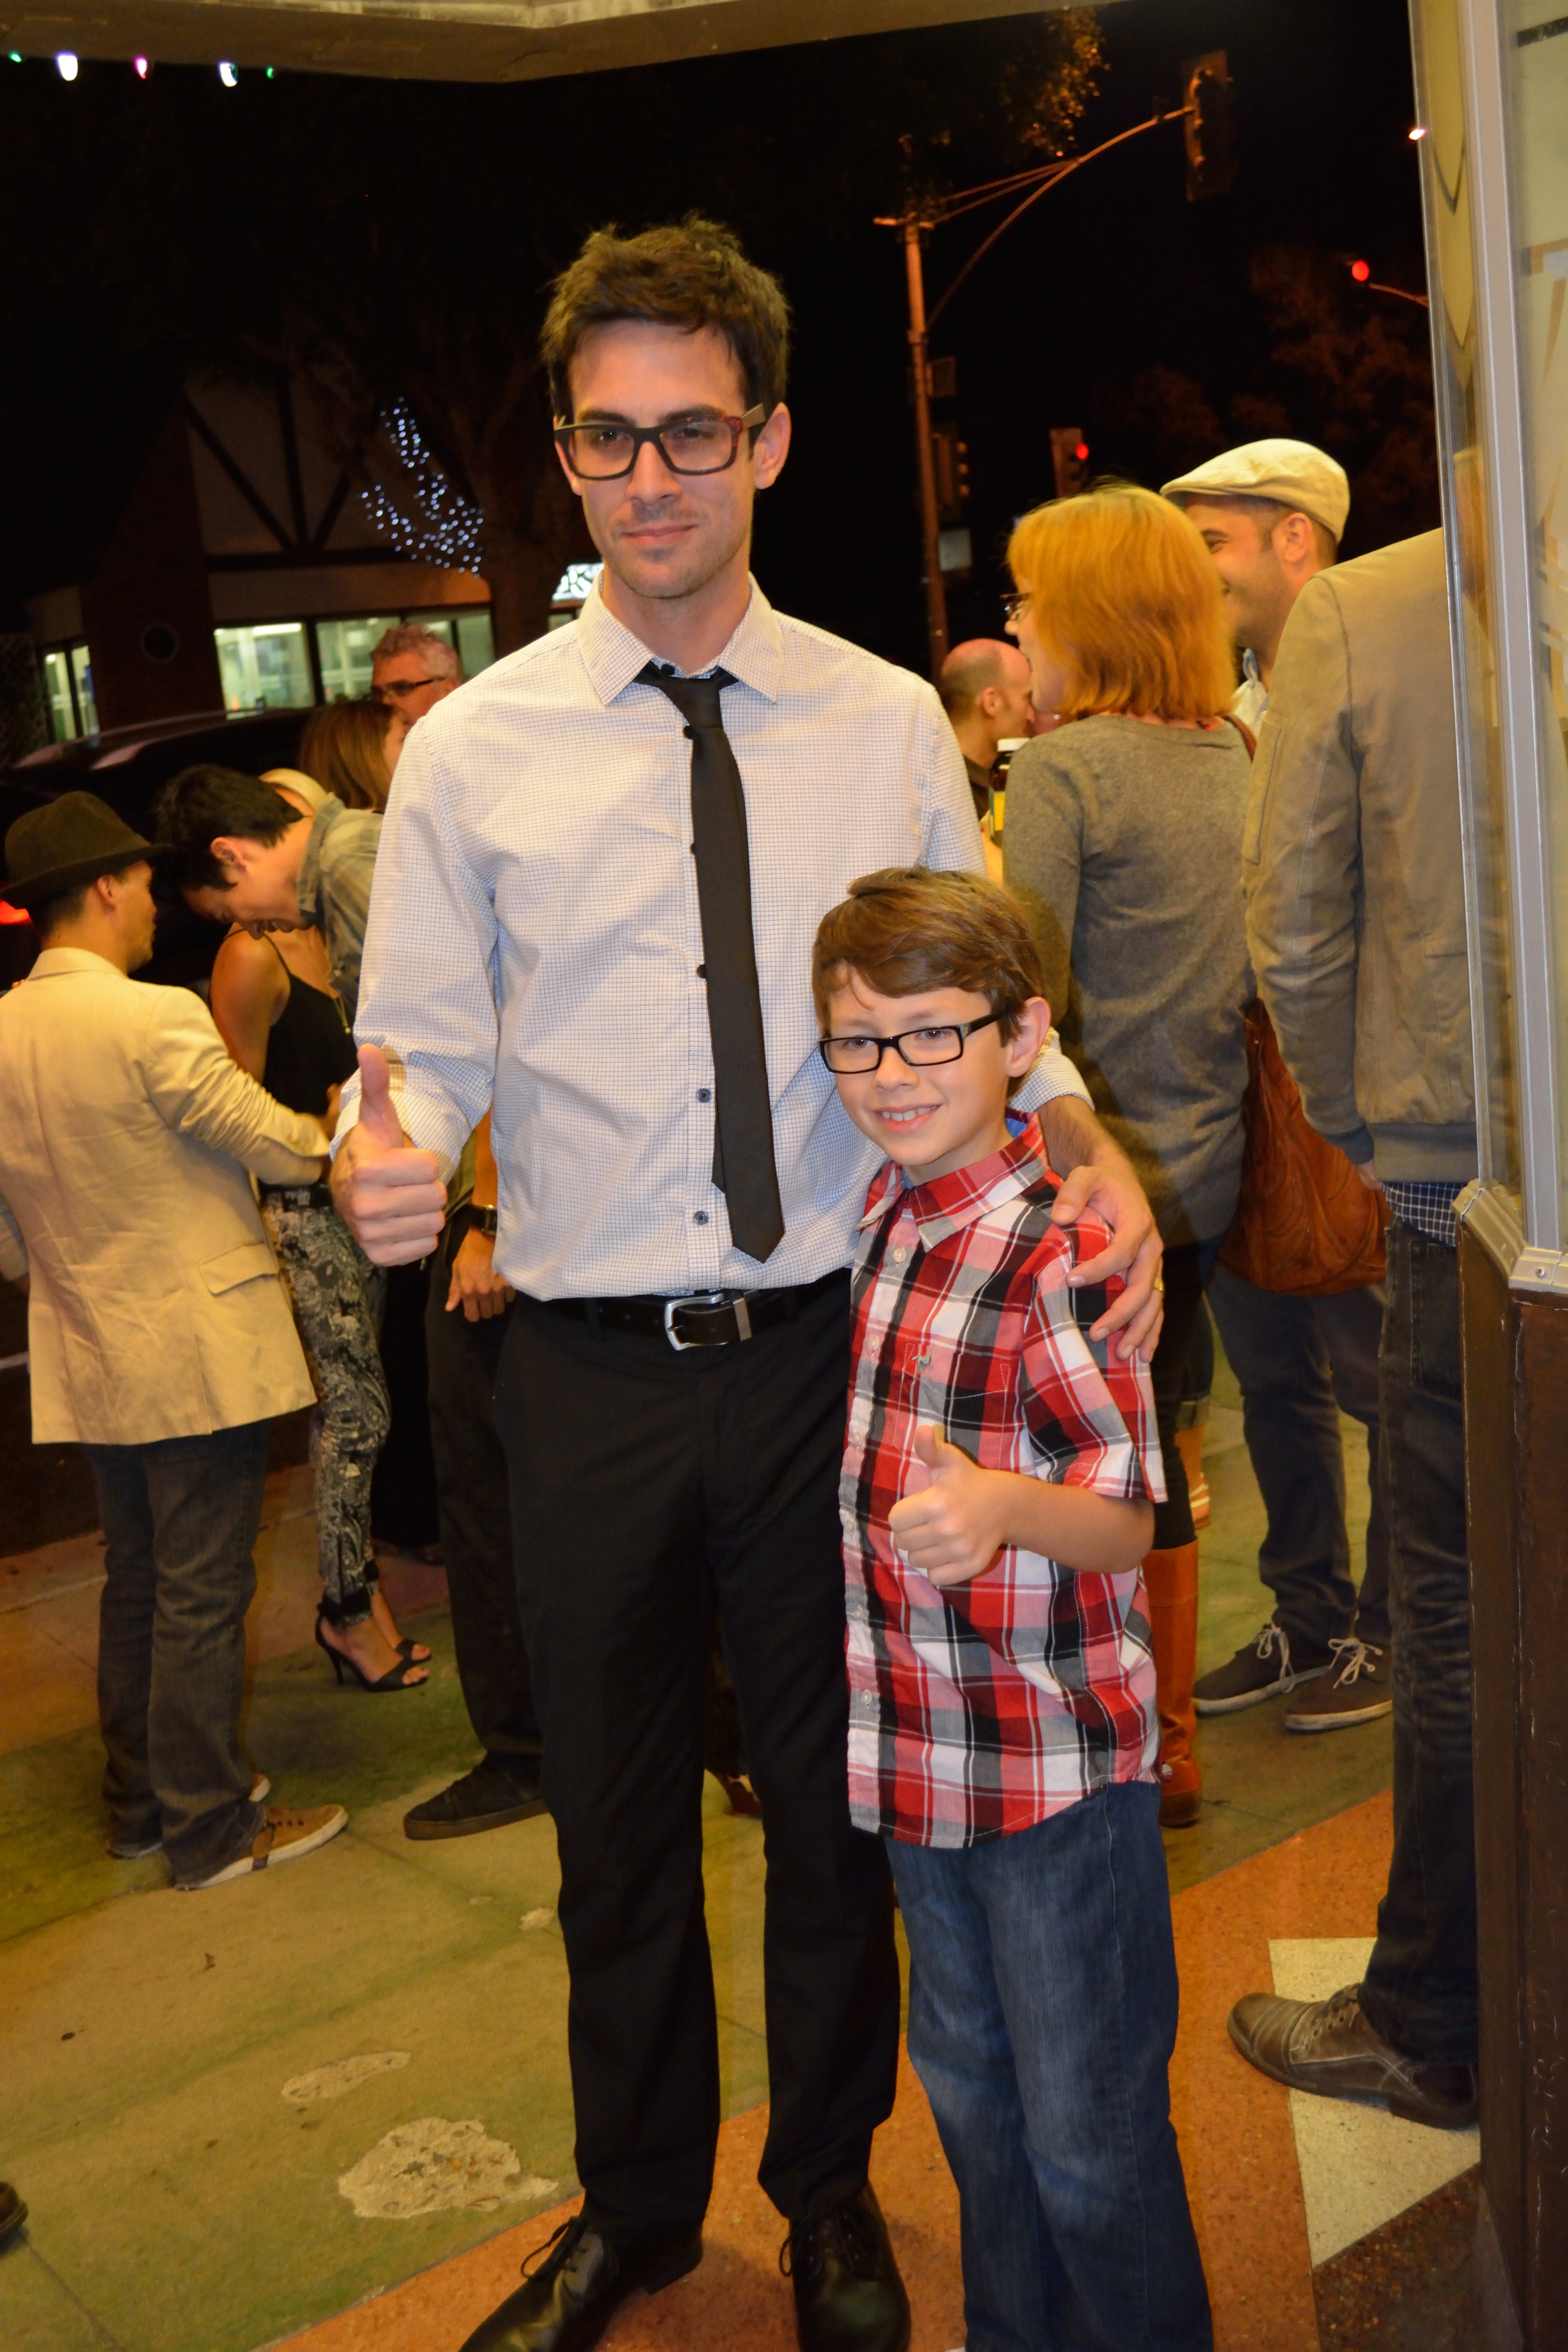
[[534, 933]]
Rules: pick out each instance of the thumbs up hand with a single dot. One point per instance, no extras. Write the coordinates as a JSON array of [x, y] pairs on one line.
[[389, 1195], [952, 1519]]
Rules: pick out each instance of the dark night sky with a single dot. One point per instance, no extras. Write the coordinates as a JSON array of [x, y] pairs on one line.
[[481, 193], [1108, 276]]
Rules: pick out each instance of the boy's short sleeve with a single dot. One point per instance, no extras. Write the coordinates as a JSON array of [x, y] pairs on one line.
[[1090, 1416]]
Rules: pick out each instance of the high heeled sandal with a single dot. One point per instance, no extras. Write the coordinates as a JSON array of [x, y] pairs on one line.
[[395, 1679]]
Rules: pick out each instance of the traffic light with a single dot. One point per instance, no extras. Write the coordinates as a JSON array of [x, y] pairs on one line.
[[1069, 460], [1207, 131], [950, 459]]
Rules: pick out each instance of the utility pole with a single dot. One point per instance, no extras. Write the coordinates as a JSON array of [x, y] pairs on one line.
[[1210, 172], [920, 358]]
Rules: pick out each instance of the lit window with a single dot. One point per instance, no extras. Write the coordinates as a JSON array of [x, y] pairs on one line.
[[265, 667], [57, 694], [576, 584], [81, 679], [476, 641], [344, 648]]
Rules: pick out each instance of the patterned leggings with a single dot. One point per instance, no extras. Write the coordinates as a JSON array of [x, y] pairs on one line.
[[334, 1290]]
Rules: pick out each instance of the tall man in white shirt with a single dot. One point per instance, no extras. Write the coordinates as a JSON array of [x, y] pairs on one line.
[[600, 920]]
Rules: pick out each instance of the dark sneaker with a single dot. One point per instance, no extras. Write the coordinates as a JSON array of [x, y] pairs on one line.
[[1328, 2047], [848, 2296], [1355, 1690], [1267, 1667], [13, 2213], [485, 1799]]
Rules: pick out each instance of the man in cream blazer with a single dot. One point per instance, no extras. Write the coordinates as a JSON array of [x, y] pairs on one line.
[[160, 1336]]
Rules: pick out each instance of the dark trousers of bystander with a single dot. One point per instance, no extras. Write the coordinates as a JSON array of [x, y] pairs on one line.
[[1187, 1268], [180, 1519], [1302, 1362], [647, 1486], [1420, 1987], [475, 1509]]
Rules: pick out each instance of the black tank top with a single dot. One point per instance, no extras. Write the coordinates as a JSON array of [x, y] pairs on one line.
[[310, 1049]]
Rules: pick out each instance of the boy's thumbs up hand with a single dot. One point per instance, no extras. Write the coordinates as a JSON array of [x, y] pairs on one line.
[[389, 1195], [950, 1522]]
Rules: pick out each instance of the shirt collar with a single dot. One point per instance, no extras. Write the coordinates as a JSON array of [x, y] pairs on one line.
[[613, 656], [945, 1204], [52, 963]]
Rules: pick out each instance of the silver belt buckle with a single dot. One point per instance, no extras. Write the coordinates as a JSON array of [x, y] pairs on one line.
[[705, 1299]]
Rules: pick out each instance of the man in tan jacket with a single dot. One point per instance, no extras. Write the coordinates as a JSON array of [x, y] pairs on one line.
[[1356, 923], [159, 1336]]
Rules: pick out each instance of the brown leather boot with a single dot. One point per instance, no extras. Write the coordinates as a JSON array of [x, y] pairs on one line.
[[1171, 1587]]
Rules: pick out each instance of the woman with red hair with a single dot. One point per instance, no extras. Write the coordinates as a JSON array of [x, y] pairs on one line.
[[1123, 838]]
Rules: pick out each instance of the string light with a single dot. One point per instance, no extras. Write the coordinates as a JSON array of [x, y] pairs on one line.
[[227, 74], [1361, 271], [67, 66], [1419, 132], [431, 520], [143, 68]]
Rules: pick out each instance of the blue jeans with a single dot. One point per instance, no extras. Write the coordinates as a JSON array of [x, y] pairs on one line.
[[1042, 2019], [1419, 1991], [179, 1523], [1302, 1362]]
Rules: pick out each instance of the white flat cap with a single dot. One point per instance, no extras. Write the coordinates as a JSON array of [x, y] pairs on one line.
[[1306, 479]]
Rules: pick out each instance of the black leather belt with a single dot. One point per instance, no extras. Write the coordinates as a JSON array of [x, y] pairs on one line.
[[297, 1196], [701, 1318]]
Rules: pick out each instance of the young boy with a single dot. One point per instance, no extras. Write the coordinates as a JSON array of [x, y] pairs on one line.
[[998, 1476]]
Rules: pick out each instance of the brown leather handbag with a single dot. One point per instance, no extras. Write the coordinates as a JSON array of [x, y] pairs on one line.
[[1306, 1223]]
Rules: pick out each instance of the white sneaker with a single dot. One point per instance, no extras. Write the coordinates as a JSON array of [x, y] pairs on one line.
[[285, 1835]]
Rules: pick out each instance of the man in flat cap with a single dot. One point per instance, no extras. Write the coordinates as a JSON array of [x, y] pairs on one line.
[[160, 1337], [1272, 514]]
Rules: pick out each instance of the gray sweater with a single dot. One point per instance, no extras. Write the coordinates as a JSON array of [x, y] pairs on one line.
[[1124, 843]]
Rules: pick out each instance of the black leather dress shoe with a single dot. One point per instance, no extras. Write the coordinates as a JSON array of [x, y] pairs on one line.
[[485, 1799], [580, 2284], [848, 2296]]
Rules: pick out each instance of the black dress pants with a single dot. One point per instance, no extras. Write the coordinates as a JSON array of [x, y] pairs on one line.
[[475, 1508], [647, 1485]]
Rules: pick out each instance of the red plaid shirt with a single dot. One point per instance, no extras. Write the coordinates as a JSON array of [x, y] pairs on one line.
[[985, 1708]]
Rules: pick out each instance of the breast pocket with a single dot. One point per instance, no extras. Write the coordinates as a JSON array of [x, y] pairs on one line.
[[1271, 735]]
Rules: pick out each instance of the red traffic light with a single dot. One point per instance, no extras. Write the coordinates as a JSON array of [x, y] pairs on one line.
[[1361, 271], [1081, 453]]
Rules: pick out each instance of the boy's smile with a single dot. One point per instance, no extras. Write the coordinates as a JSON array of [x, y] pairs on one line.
[[932, 1118]]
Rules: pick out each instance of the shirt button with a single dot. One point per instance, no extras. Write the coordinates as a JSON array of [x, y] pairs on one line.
[[704, 1094], [701, 971], [899, 1256], [701, 1218]]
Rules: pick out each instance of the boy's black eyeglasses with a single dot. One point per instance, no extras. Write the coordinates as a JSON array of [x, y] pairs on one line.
[[920, 1048], [603, 451]]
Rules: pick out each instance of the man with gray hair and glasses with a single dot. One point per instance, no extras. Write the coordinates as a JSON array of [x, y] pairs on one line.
[[413, 668]]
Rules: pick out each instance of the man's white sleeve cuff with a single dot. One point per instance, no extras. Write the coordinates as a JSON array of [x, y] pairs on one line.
[[1052, 1075]]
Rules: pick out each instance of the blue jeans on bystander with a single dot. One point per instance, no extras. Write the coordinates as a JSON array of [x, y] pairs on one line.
[[1042, 2019]]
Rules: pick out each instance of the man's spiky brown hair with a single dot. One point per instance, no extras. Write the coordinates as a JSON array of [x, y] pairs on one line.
[[690, 274]]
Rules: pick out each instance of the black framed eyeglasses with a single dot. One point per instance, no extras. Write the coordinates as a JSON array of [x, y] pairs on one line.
[[602, 449], [401, 686], [921, 1049]]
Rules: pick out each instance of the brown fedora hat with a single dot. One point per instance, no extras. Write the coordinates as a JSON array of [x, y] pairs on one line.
[[68, 841]]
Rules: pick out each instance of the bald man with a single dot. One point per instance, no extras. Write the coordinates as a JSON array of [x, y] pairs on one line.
[[984, 690]]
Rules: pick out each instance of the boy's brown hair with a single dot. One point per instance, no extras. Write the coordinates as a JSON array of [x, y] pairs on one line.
[[693, 274], [909, 928]]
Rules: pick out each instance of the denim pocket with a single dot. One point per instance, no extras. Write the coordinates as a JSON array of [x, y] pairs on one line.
[[1432, 1272]]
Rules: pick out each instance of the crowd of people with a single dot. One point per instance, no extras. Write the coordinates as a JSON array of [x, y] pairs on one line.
[[817, 1191]]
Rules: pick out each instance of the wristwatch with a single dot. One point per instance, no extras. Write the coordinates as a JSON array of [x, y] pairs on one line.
[[470, 1219]]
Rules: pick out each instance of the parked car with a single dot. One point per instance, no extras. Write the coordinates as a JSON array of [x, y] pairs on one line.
[[125, 766]]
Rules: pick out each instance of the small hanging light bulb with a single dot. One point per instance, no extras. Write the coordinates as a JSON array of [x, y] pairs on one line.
[[227, 74], [66, 65], [143, 67]]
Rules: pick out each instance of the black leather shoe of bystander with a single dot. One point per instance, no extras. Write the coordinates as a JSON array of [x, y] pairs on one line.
[[572, 2297], [848, 2296], [488, 1798]]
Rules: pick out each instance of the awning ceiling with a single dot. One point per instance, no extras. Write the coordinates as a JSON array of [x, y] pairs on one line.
[[458, 40]]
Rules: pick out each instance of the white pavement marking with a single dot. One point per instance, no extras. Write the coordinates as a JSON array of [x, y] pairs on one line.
[[347, 2074], [1359, 2165], [56, 1592], [431, 2165]]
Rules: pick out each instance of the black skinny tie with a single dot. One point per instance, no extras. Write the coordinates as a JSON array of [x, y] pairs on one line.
[[744, 1160]]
